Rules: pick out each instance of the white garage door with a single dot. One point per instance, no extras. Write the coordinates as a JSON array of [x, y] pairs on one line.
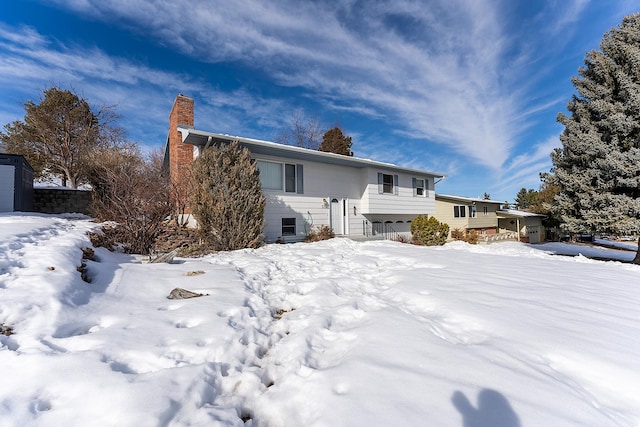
[[7, 187]]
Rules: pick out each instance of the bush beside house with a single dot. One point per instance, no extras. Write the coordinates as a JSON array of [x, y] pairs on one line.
[[428, 231], [226, 198]]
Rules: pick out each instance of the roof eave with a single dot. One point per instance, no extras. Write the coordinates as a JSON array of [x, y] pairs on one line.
[[519, 215], [199, 138]]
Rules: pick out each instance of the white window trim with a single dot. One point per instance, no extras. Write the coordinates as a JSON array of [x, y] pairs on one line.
[[395, 184]]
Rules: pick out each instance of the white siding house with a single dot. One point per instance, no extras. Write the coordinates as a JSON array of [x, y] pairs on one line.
[[307, 188]]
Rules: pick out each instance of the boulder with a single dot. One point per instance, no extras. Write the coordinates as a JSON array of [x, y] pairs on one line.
[[179, 293]]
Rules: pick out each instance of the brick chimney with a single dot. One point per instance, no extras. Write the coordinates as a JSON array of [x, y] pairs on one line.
[[180, 154]]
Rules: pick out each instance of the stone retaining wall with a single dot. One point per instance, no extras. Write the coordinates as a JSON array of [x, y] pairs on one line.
[[61, 200]]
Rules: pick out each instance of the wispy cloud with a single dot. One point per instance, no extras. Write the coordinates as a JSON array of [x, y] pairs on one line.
[[143, 95], [566, 13], [524, 169], [469, 76], [438, 68]]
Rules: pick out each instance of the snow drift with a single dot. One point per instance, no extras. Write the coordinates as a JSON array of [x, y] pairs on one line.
[[335, 333]]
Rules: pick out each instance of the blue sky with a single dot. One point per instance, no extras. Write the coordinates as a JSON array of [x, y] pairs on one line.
[[469, 88]]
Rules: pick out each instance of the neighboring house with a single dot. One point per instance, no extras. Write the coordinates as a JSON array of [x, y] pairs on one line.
[[16, 183], [307, 188], [485, 217], [528, 224], [466, 213]]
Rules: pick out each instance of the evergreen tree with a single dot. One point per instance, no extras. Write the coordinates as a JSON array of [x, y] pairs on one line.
[[428, 231], [226, 198], [598, 167], [334, 141], [59, 134], [525, 198]]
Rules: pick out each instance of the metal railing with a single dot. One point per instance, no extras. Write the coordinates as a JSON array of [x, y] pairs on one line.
[[510, 235], [389, 232], [384, 230]]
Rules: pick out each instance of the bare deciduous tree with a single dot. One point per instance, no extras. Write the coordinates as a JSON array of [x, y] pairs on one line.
[[132, 192], [303, 131]]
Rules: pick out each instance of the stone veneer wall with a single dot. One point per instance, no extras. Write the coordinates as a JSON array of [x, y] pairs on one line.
[[60, 200]]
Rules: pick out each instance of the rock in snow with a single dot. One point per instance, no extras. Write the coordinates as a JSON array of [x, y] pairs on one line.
[[179, 293]]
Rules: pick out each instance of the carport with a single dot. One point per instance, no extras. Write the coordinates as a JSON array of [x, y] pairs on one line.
[[528, 225]]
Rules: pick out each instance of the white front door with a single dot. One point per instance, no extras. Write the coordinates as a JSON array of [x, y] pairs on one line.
[[337, 215]]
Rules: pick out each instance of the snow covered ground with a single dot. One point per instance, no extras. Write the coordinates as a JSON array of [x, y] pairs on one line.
[[335, 333]]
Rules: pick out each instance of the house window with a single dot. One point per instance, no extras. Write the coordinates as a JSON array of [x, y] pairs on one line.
[[485, 210], [472, 211], [418, 187], [288, 226], [387, 184], [279, 176], [459, 211], [290, 178], [270, 175]]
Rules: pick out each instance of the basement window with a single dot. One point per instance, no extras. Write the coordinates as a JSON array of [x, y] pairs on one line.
[[288, 226]]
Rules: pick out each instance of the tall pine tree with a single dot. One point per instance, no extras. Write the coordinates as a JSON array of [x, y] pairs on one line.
[[598, 166]]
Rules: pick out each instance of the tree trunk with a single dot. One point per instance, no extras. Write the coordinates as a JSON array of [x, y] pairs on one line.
[[636, 260]]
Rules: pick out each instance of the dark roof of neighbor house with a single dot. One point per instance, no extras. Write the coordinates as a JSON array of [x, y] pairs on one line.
[[466, 199], [205, 139], [505, 213]]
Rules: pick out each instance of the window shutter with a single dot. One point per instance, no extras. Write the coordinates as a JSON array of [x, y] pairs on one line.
[[300, 178], [415, 189], [380, 189], [395, 184]]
